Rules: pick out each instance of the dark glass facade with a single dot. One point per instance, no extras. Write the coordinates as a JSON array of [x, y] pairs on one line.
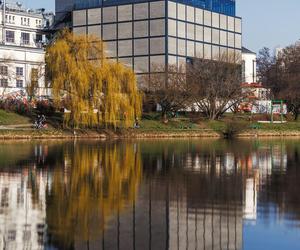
[[226, 7]]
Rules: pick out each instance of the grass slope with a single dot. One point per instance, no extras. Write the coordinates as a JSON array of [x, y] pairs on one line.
[[9, 118]]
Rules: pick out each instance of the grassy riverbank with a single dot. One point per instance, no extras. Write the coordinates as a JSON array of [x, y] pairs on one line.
[[13, 126]]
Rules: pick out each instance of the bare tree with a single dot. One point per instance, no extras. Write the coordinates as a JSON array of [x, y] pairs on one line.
[[216, 85], [32, 86], [168, 90], [282, 75], [268, 71]]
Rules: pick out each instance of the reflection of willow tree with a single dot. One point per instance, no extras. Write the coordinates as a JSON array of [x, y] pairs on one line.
[[96, 183]]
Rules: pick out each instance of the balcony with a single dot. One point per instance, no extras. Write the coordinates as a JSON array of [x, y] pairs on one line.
[[25, 43], [10, 22]]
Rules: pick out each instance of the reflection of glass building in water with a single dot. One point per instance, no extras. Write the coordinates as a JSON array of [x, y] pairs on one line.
[[161, 218], [191, 199], [200, 207], [146, 32], [22, 210]]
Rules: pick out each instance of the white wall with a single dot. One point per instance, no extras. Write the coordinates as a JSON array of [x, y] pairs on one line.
[[249, 69]]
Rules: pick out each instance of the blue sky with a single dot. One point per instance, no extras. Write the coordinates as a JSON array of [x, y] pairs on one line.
[[270, 23]]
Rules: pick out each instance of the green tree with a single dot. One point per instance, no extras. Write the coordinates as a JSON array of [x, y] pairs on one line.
[[95, 90]]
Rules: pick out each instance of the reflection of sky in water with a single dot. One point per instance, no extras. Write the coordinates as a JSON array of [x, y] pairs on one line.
[[271, 231]]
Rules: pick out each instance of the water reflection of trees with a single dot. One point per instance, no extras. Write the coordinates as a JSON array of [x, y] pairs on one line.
[[193, 194], [95, 183], [282, 187]]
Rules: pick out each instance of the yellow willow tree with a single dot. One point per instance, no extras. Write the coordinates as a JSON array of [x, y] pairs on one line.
[[94, 89]]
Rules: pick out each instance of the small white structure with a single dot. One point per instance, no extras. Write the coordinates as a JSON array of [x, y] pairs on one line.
[[250, 206], [22, 54], [249, 74]]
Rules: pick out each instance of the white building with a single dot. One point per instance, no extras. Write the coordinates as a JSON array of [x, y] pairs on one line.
[[22, 56], [249, 66]]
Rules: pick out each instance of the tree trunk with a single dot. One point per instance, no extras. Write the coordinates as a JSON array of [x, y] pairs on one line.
[[296, 114], [164, 116]]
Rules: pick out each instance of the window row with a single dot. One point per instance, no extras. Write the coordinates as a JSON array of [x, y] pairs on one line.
[[152, 28], [19, 71], [144, 64], [136, 47], [119, 13], [195, 49], [204, 34], [4, 83], [200, 16], [25, 21], [125, 30], [10, 37]]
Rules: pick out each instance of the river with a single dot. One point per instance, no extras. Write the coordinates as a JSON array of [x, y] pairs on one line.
[[150, 194]]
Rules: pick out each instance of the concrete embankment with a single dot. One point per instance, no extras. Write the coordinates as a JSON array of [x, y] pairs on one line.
[[134, 134]]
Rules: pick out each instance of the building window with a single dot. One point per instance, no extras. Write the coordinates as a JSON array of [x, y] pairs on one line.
[[38, 23], [25, 38], [4, 83], [3, 70], [19, 71], [39, 38], [25, 21], [243, 71], [10, 36], [19, 84], [9, 19]]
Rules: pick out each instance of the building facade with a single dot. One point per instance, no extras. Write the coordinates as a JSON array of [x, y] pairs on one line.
[[249, 74], [143, 33], [22, 56], [62, 8]]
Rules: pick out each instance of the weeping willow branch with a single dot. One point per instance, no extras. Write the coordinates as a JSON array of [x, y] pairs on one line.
[[95, 90]]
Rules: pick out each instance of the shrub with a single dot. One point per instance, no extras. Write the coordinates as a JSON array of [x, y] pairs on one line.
[[19, 106], [233, 128], [266, 117], [45, 107], [290, 117]]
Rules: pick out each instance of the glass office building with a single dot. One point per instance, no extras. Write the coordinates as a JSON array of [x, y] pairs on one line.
[[226, 7], [143, 33], [62, 7]]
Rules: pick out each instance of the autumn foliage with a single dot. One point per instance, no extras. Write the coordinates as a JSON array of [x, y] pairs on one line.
[[94, 90]]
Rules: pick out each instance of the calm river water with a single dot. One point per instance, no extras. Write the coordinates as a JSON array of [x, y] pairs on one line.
[[150, 194]]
